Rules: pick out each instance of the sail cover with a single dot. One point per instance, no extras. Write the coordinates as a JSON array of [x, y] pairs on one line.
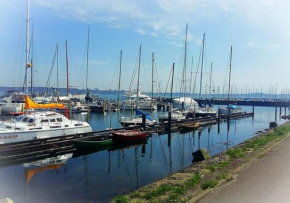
[[29, 104]]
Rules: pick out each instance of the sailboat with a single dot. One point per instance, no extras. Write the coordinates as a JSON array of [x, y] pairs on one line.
[[197, 110], [231, 108], [137, 120], [41, 124]]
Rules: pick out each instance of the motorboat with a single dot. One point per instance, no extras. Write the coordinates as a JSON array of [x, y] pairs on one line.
[[176, 115], [40, 124], [144, 102], [127, 121], [232, 108]]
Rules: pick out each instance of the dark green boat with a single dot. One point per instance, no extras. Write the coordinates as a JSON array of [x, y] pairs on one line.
[[93, 142]]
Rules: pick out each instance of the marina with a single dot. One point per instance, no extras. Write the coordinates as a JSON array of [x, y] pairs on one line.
[[107, 102]]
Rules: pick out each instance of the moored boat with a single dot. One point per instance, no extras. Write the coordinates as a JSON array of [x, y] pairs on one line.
[[128, 135], [93, 142], [41, 124]]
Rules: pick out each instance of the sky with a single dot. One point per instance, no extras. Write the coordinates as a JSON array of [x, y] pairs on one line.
[[258, 31]]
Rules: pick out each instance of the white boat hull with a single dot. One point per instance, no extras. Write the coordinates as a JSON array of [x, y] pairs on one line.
[[18, 136]]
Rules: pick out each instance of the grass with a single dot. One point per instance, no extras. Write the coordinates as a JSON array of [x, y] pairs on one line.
[[209, 184], [222, 176], [121, 199]]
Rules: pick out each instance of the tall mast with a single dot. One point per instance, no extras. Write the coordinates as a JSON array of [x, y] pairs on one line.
[[230, 74], [184, 68], [210, 79], [202, 54], [120, 72], [190, 86], [88, 60], [153, 60], [27, 47], [139, 65], [31, 73], [172, 82], [57, 78], [67, 84]]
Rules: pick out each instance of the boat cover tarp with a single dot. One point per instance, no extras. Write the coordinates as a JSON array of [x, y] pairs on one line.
[[29, 104], [138, 113]]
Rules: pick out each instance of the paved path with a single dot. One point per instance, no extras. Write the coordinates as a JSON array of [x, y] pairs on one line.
[[267, 180]]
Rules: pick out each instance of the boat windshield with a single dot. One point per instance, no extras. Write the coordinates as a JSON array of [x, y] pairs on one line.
[[19, 118]]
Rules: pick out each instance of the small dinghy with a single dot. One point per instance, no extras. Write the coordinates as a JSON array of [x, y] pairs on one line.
[[128, 135], [93, 142]]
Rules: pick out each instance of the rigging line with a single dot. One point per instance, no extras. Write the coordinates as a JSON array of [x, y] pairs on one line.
[[167, 83], [83, 64], [134, 72], [195, 79], [115, 73], [49, 76]]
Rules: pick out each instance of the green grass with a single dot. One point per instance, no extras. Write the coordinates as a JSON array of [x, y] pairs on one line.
[[235, 153], [209, 184], [222, 176], [121, 199]]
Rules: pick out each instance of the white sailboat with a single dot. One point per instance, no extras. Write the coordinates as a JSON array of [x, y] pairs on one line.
[[38, 125], [231, 108], [137, 120]]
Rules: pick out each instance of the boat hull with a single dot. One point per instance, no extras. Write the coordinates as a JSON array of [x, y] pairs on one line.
[[129, 135], [18, 136]]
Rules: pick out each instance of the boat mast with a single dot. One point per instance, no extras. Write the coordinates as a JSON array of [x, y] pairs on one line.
[[210, 79], [27, 48], [153, 61], [87, 92], [31, 73], [184, 68], [172, 82], [57, 78], [139, 66], [67, 84], [119, 85], [202, 54], [230, 75]]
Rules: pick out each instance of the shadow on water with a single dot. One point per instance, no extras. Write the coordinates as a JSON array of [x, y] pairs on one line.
[[98, 175]]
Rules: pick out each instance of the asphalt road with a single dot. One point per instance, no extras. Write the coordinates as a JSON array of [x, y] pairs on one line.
[[267, 180]]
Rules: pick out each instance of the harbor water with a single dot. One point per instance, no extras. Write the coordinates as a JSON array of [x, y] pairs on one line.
[[98, 176]]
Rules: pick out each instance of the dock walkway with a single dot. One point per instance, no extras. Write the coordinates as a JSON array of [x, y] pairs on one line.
[[265, 180]]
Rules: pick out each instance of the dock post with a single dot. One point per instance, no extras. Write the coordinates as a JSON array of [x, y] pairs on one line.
[[276, 112], [285, 110], [219, 115], [169, 128], [280, 110], [182, 106], [253, 112], [143, 121]]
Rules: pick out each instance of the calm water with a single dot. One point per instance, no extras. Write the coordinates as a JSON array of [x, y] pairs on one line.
[[99, 176]]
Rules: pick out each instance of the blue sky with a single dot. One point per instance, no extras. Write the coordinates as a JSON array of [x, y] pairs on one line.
[[259, 32]]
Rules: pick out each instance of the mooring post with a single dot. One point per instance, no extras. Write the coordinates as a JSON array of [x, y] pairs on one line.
[[276, 113], [280, 110], [143, 121], [182, 106], [219, 115], [169, 128], [253, 112]]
